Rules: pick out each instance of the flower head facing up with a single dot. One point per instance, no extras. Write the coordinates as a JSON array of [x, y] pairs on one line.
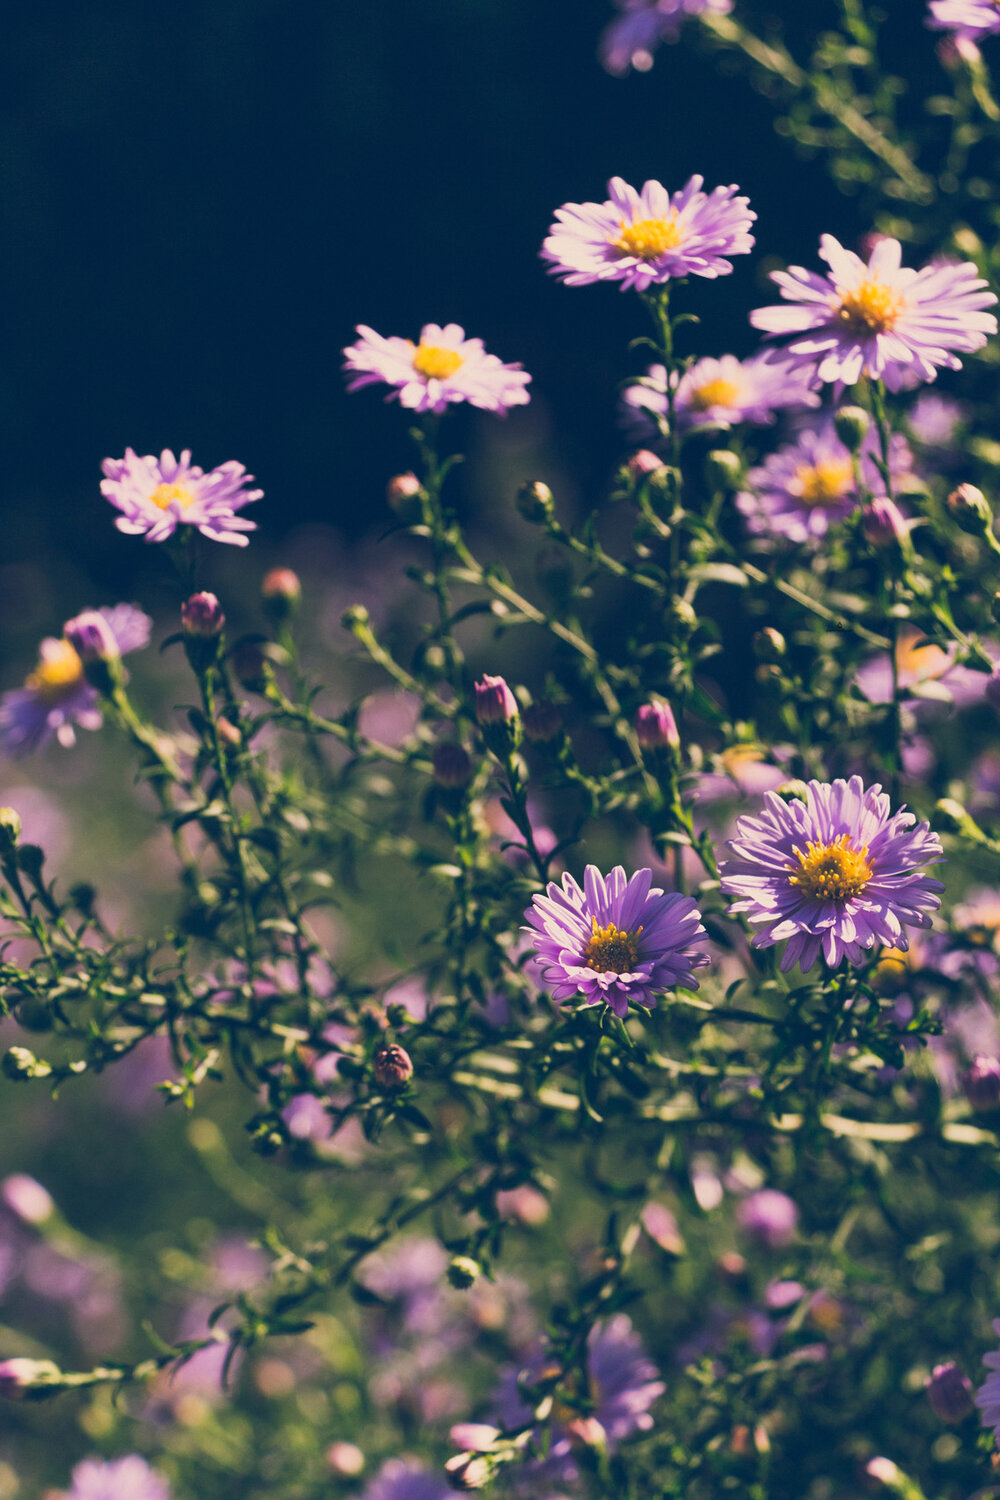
[[156, 495], [128, 1478], [838, 873], [57, 696], [633, 36], [646, 237], [970, 20], [717, 393], [882, 319], [615, 939], [443, 367]]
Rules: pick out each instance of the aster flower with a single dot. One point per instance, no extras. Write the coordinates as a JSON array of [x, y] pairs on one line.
[[614, 940], [648, 237], [716, 393], [156, 495], [57, 696], [128, 1478], [399, 1479], [882, 319], [933, 419], [924, 671], [988, 1396], [632, 37], [972, 20], [838, 873], [443, 367], [800, 490]]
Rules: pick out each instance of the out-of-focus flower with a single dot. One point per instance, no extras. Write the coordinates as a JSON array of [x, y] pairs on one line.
[[972, 20], [934, 419], [988, 1396], [981, 1084], [800, 490], [307, 1119], [742, 771], [452, 765], [949, 1391], [26, 1199], [769, 1216], [646, 237], [883, 523], [345, 1459], [542, 721], [281, 592], [128, 1478], [443, 367], [401, 1480], [615, 939], [156, 495], [881, 319], [91, 637], [631, 39], [835, 874], [717, 393], [919, 665], [56, 696], [525, 1204]]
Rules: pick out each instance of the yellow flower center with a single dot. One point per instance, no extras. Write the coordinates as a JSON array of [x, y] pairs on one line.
[[612, 951], [435, 363], [166, 495], [720, 392], [872, 307], [648, 238], [824, 483], [832, 872], [58, 674], [919, 663]]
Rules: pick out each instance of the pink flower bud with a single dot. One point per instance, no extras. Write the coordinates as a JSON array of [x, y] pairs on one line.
[[949, 1392], [494, 701], [981, 1084], [883, 524], [656, 727], [392, 1067], [201, 615]]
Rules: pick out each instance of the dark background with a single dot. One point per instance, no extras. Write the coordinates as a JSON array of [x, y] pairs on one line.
[[200, 200]]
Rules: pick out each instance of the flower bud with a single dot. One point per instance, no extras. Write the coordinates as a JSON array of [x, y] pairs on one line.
[[683, 614], [494, 701], [250, 665], [463, 1272], [228, 733], [468, 1471], [402, 494], [542, 721], [981, 1084], [534, 502], [770, 644], [19, 1378], [26, 1199], [970, 509], [354, 616], [656, 727], [202, 616], [883, 524], [851, 424], [949, 1392], [452, 766], [280, 592], [722, 469], [392, 1067], [10, 827], [91, 637], [477, 1436], [345, 1459], [769, 1216], [643, 463], [950, 816]]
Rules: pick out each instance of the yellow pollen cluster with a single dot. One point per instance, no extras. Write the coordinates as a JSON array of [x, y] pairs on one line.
[[831, 872], [720, 392], [58, 674], [872, 307], [824, 483], [166, 495], [648, 238], [611, 951], [435, 363]]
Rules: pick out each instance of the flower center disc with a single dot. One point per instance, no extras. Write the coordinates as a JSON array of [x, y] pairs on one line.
[[435, 363], [871, 308], [715, 393], [57, 675], [611, 951], [832, 872], [166, 495], [824, 483], [648, 238]]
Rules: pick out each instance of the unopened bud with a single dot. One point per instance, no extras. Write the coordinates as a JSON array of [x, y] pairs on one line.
[[683, 613], [281, 593], [981, 1084], [723, 469], [392, 1067], [403, 496], [477, 1436], [468, 1471], [949, 1392], [970, 509], [494, 701], [950, 816], [26, 1199], [643, 463], [851, 424], [345, 1459], [656, 727], [883, 524], [10, 827], [542, 721], [463, 1271], [228, 733], [202, 616], [91, 637], [770, 644], [22, 1378], [354, 615], [534, 502], [452, 766], [793, 791]]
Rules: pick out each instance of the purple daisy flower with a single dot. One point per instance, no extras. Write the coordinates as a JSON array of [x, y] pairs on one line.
[[443, 367], [56, 695], [156, 495], [838, 873], [882, 319], [800, 490], [631, 38], [717, 393], [614, 940], [969, 19], [128, 1478], [648, 237], [988, 1396]]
